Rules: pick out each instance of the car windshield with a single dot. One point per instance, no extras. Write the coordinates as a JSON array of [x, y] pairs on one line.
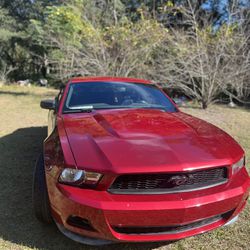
[[115, 95]]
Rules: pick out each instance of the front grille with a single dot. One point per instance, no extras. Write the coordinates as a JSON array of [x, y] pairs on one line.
[[172, 229], [169, 183]]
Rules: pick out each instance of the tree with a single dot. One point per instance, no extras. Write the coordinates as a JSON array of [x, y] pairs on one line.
[[81, 47], [204, 64], [7, 33]]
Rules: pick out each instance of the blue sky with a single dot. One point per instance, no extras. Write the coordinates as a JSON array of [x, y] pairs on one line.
[[221, 8]]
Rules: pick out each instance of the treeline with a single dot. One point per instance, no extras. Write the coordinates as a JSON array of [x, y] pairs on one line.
[[198, 47]]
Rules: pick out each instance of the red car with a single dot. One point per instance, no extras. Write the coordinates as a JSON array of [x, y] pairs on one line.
[[122, 163]]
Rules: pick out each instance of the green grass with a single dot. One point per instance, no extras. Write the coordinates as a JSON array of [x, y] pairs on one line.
[[22, 130]]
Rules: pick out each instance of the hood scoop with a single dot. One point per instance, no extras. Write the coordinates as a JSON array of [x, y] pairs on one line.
[[105, 124]]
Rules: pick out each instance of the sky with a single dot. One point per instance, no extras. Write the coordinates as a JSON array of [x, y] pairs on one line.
[[222, 10]]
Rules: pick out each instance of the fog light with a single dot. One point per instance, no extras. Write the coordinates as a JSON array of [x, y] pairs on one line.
[[77, 221]]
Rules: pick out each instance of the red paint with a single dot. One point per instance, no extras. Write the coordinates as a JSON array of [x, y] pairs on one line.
[[115, 142]]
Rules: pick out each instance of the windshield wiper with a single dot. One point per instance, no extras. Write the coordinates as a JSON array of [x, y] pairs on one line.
[[90, 108], [143, 106], [80, 109]]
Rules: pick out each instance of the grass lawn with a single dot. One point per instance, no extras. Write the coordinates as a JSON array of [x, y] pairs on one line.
[[22, 130]]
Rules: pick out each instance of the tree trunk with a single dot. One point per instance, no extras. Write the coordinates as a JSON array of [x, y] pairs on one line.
[[204, 104]]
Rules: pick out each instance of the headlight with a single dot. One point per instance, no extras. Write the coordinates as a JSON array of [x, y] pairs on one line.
[[238, 165], [78, 177]]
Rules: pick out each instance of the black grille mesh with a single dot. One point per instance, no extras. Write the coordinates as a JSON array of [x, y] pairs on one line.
[[169, 183], [172, 229]]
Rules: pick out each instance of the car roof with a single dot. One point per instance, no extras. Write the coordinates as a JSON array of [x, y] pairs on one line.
[[109, 79]]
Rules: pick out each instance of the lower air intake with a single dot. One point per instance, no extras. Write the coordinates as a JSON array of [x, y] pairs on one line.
[[172, 229]]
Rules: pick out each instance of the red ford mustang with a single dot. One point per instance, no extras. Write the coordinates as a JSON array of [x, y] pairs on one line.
[[122, 163]]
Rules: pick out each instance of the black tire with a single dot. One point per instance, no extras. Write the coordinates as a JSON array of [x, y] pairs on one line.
[[40, 197]]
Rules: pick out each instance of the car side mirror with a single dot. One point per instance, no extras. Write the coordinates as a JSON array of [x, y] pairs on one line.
[[48, 104]]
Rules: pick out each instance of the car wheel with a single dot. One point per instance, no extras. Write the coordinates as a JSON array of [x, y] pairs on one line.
[[40, 197]]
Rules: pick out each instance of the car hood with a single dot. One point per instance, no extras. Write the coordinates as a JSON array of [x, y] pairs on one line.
[[143, 140]]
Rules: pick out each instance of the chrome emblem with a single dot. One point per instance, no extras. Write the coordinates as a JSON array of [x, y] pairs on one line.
[[178, 180]]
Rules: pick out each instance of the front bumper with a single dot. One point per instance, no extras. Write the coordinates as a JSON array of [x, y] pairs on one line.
[[99, 242], [112, 216]]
